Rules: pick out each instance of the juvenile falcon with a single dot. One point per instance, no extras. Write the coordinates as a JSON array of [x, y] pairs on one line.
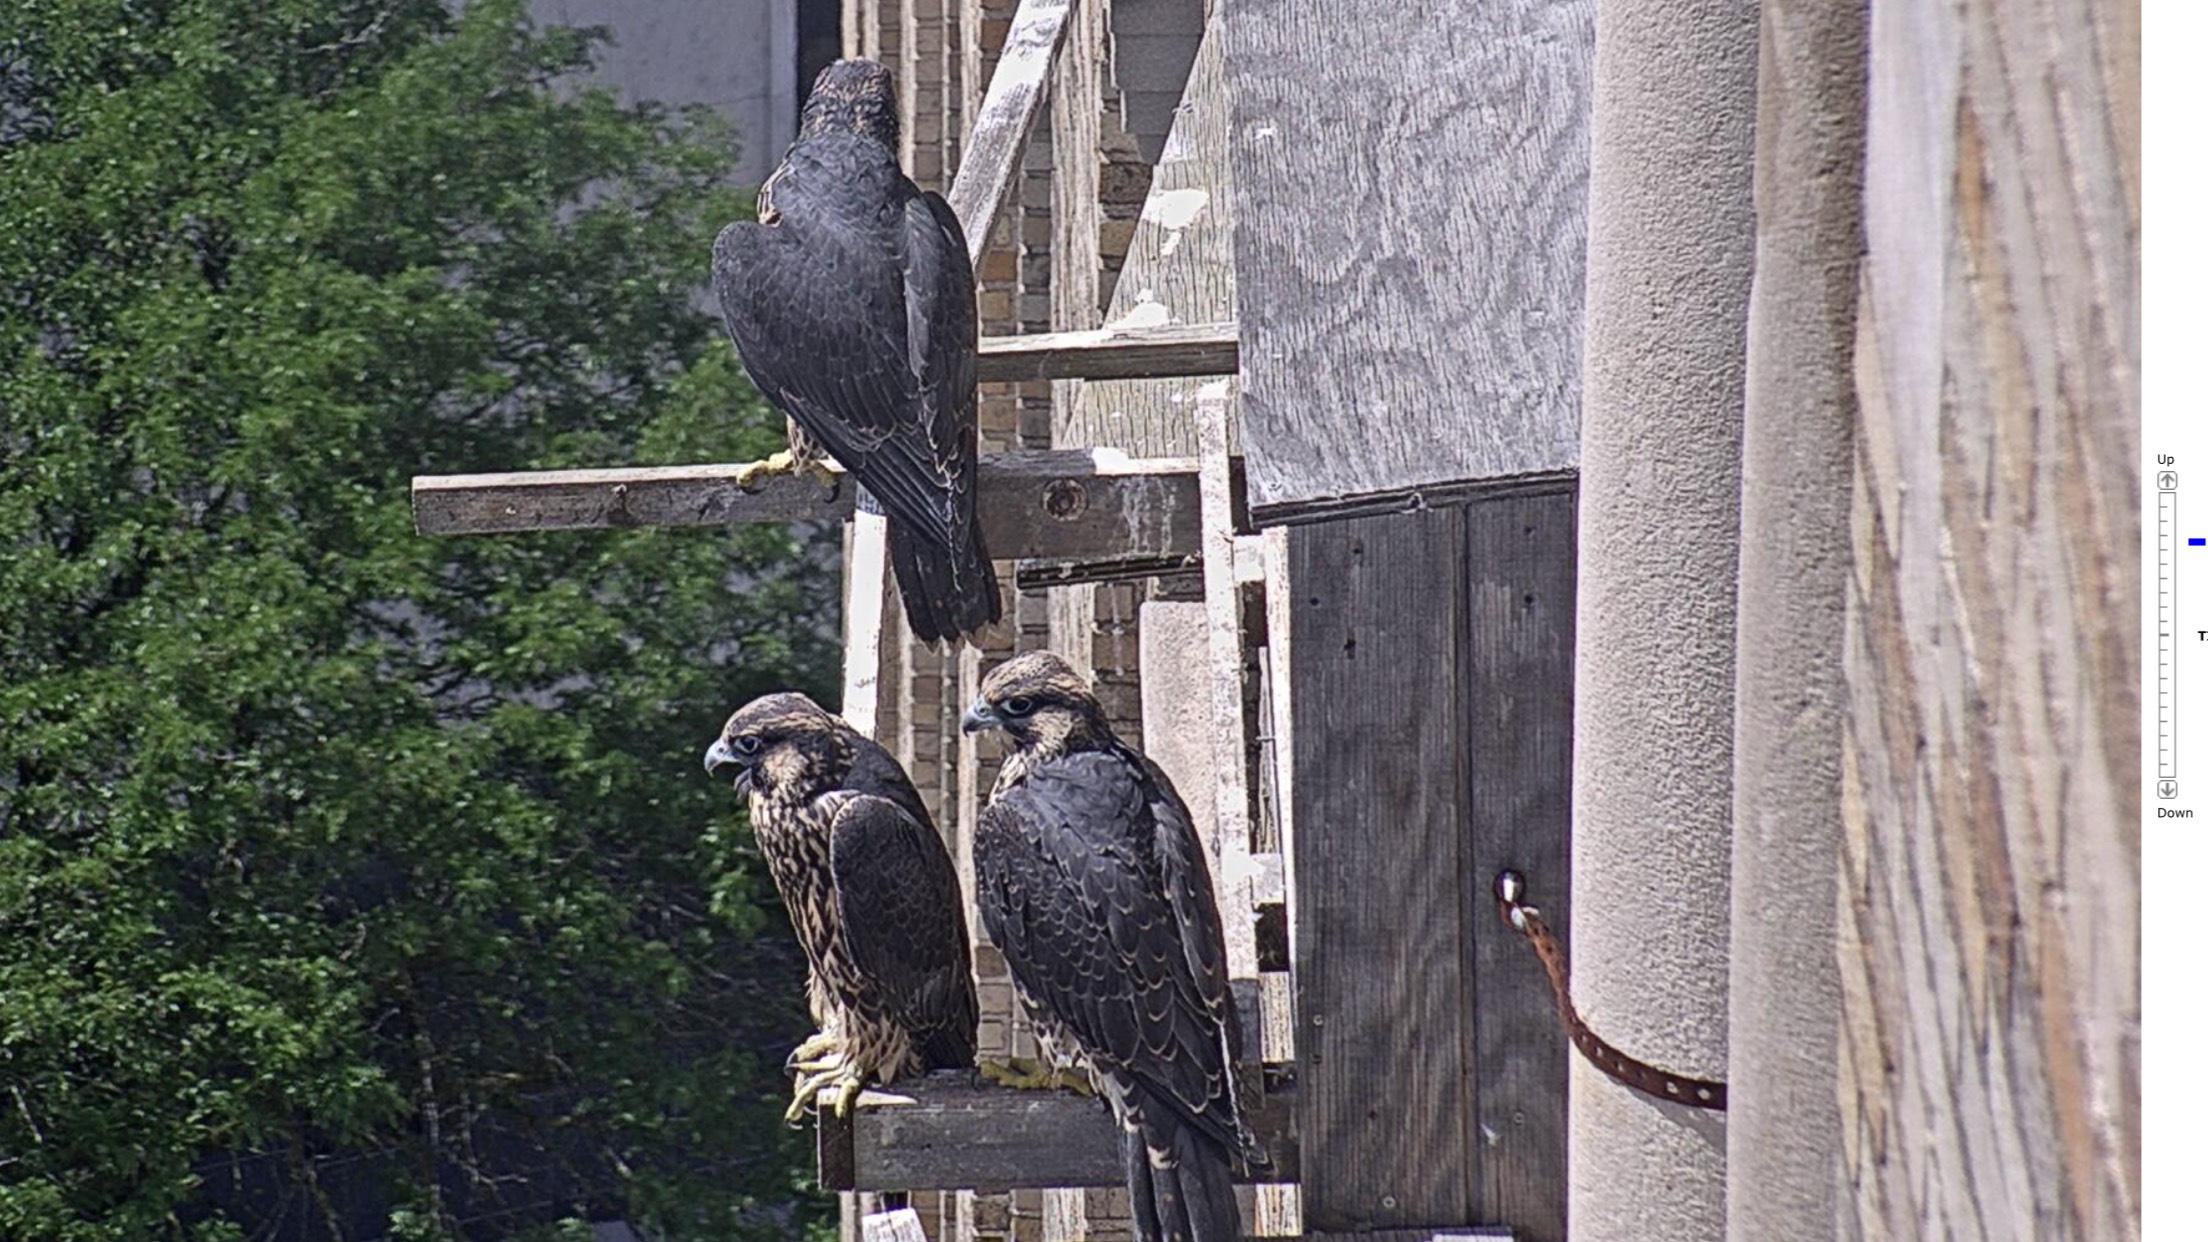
[[1092, 882], [852, 303], [870, 891]]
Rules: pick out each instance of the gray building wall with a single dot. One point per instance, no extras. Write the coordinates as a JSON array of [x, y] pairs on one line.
[[738, 56]]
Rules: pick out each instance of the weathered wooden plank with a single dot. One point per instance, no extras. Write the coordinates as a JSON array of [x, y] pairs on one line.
[[1990, 771], [1410, 499], [865, 588], [898, 1225], [989, 167], [1111, 353], [1179, 270], [493, 504], [1378, 872], [1411, 241], [1068, 504], [1519, 605], [1474, 1233], [1229, 732], [948, 1132]]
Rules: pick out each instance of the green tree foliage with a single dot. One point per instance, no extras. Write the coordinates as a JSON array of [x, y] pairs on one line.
[[333, 856]]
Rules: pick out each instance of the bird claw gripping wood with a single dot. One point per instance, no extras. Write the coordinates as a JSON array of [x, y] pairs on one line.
[[1510, 891]]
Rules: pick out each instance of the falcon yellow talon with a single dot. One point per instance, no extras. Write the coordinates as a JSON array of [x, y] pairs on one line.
[[1030, 1074], [808, 1089], [775, 463], [808, 1054], [846, 1095]]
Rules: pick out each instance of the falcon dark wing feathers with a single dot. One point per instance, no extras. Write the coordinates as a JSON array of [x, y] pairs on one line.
[[1092, 882], [852, 304], [898, 901]]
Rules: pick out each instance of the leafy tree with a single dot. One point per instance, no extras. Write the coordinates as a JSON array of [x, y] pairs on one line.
[[355, 883]]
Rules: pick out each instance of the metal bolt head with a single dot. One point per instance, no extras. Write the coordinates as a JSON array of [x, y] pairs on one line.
[[1064, 499]]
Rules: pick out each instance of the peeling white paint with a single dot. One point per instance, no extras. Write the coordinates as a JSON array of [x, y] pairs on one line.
[[1146, 313], [1176, 209]]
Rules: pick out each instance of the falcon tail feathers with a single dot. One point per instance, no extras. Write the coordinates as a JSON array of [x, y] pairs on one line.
[[948, 594], [1190, 1198]]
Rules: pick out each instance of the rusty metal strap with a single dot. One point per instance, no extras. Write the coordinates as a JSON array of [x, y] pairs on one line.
[[1639, 1075]]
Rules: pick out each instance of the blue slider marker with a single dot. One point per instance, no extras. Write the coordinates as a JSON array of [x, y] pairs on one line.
[[2196, 543]]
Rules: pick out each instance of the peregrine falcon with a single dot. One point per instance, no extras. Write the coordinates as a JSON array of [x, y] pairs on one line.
[[1092, 882], [852, 303], [870, 891]]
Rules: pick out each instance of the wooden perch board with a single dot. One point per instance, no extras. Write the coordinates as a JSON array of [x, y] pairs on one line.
[[946, 1132], [1112, 353], [1066, 505]]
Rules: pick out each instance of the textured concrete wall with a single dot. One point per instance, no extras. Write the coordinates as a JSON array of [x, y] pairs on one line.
[[1989, 936], [1797, 463], [739, 56], [1670, 233]]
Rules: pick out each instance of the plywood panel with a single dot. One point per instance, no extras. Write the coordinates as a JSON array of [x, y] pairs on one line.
[[1411, 195]]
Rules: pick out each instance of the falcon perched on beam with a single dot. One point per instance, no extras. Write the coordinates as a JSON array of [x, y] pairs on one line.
[[852, 303], [870, 890], [1092, 882]]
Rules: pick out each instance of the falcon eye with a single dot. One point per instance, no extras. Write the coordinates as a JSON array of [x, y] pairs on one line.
[[1018, 705], [747, 745]]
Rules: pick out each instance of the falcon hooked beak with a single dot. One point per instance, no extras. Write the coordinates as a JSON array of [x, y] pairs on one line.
[[719, 757], [980, 717]]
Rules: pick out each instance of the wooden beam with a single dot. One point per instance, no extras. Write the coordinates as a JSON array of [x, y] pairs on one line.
[[1064, 505], [1230, 754], [945, 1132], [989, 168], [1112, 353], [1465, 1233], [1413, 499], [865, 586]]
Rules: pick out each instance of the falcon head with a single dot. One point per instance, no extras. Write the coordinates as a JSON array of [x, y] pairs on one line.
[[852, 96], [781, 744], [1041, 704]]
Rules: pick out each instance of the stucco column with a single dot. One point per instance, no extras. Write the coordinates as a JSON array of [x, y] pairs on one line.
[[1796, 476], [1669, 260]]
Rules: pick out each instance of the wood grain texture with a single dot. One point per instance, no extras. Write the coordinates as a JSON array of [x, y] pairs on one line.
[[989, 167], [1066, 505], [1472, 1234], [1228, 835], [948, 1132], [1412, 240], [1378, 872], [1192, 349], [866, 586], [1519, 560], [899, 1225], [1991, 785], [1179, 272]]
